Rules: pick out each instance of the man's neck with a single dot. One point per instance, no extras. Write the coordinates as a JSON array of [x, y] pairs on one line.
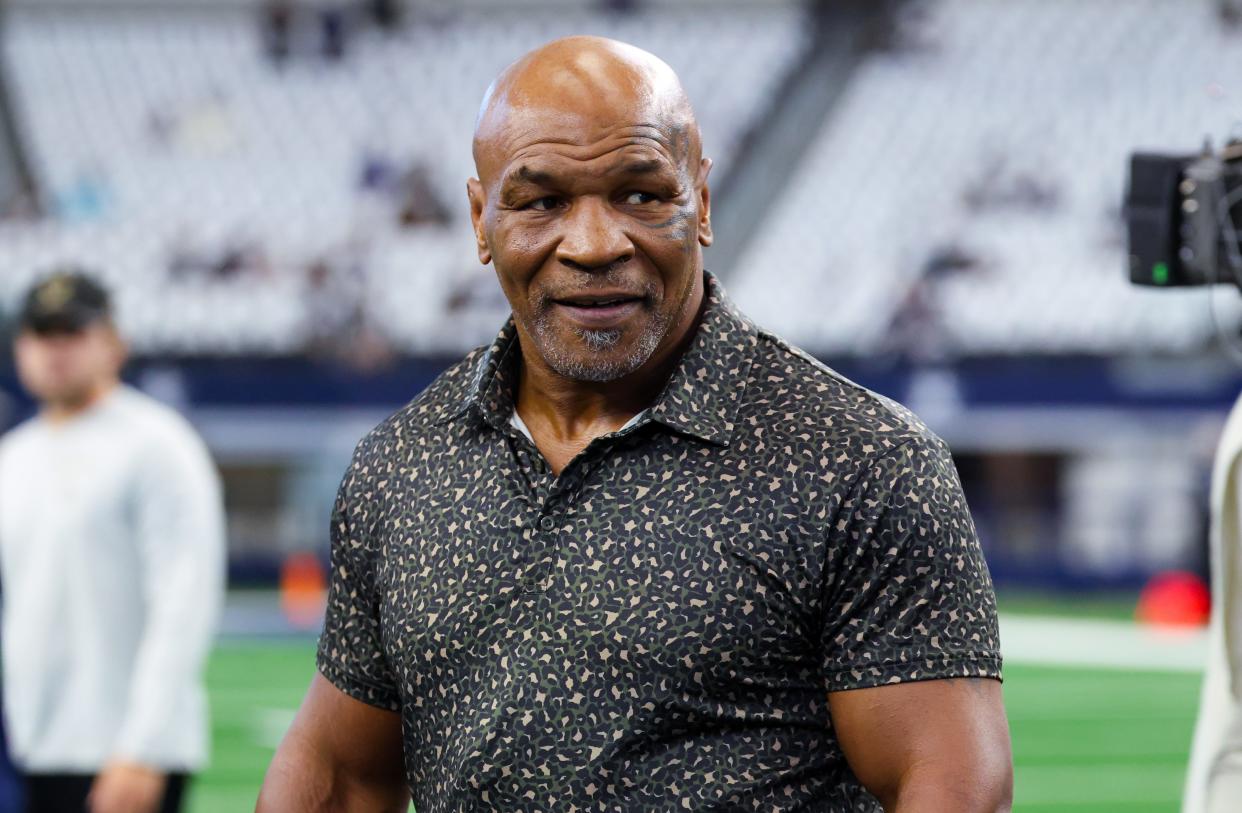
[[576, 409], [61, 412], [569, 413]]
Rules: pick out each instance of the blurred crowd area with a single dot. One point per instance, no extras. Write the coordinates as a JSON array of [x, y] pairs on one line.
[[924, 193], [276, 177], [267, 177]]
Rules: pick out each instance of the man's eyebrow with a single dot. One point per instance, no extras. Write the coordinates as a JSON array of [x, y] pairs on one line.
[[524, 174], [640, 166]]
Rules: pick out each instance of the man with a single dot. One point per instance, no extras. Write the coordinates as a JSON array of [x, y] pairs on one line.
[[111, 554], [640, 554]]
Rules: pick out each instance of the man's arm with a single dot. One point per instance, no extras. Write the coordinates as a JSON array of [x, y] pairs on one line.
[[340, 755], [179, 538], [936, 746], [912, 650]]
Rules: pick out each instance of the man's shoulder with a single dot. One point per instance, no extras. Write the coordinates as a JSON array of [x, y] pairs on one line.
[[153, 421], [802, 399], [429, 411], [19, 439]]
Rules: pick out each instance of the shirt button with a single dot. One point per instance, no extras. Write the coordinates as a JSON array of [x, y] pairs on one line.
[[547, 523]]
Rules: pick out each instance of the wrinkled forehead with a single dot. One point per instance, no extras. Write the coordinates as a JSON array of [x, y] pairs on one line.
[[583, 112], [542, 134]]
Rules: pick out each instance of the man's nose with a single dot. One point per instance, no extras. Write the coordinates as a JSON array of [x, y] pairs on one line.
[[593, 239]]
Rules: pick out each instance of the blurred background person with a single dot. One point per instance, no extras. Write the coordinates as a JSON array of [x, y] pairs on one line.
[[111, 555], [1214, 781]]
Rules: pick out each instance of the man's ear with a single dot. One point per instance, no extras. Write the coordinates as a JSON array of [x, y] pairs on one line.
[[474, 190], [122, 354], [705, 203], [120, 347], [117, 345]]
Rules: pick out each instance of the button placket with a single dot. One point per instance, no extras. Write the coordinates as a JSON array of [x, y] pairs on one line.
[[555, 498], [556, 501], [538, 577]]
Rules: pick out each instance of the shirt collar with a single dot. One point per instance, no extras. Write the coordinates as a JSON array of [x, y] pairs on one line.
[[700, 399]]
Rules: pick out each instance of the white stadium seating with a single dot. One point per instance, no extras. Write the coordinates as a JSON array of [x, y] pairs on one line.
[[1062, 92], [273, 156], [153, 131]]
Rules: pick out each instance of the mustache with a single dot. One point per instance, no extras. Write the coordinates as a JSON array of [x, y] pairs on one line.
[[612, 281]]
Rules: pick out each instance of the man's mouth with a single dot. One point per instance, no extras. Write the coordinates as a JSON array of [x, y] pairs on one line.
[[599, 311], [597, 302]]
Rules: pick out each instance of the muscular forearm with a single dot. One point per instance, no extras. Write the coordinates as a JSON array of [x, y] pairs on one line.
[[935, 746], [932, 791], [339, 756], [301, 781]]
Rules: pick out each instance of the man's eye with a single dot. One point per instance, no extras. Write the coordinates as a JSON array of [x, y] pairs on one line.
[[638, 198], [543, 204]]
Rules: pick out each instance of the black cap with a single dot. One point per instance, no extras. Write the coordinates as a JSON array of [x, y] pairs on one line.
[[65, 302]]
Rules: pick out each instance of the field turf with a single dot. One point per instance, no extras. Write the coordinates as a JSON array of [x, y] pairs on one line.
[[1085, 741]]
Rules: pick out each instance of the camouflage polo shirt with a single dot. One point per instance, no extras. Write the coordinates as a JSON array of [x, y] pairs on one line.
[[659, 627]]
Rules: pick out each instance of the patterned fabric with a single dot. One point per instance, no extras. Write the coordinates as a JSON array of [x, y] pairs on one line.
[[659, 627]]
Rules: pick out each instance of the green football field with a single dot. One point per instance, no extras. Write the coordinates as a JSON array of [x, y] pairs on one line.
[[1085, 741]]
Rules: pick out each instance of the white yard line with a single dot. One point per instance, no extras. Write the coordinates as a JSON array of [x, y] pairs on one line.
[[1100, 644]]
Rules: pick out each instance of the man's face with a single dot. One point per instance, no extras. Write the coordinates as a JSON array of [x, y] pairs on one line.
[[595, 232], [67, 368]]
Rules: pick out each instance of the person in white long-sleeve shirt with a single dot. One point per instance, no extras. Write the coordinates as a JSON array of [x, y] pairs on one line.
[[112, 570]]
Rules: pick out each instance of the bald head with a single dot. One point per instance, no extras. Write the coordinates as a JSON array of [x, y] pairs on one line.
[[585, 83]]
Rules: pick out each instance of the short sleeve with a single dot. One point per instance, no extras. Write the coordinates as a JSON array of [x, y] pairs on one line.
[[351, 654], [907, 594]]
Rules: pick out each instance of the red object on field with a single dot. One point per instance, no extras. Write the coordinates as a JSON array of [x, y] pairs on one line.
[[303, 590], [1175, 599]]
